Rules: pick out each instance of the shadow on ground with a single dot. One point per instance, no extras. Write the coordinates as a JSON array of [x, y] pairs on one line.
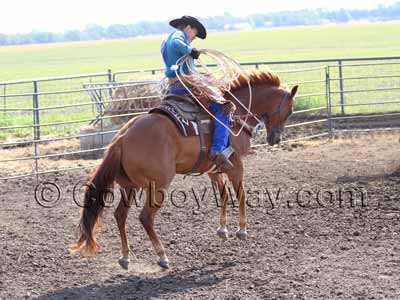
[[379, 177], [143, 287]]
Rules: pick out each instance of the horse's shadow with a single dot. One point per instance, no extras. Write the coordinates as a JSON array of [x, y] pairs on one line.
[[143, 287], [365, 179]]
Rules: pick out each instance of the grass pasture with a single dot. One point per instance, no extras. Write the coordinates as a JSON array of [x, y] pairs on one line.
[[315, 42]]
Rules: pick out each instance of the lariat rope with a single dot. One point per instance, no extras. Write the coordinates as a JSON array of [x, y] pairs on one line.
[[213, 84]]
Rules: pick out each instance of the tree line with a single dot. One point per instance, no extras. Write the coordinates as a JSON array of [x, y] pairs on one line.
[[216, 23]]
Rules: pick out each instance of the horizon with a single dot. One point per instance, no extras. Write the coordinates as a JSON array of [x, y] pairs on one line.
[[57, 18]]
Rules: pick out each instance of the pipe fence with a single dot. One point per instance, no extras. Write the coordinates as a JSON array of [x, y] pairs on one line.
[[65, 123]]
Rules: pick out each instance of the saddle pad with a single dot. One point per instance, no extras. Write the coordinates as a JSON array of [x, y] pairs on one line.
[[186, 127]]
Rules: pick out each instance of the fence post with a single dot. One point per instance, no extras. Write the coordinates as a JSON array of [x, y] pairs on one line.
[[36, 120], [36, 123], [328, 101], [110, 80], [341, 86]]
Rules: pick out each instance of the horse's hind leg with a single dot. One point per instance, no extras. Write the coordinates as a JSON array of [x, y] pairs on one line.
[[219, 180], [153, 204], [121, 214]]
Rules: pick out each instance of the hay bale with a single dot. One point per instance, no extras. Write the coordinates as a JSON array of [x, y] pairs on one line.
[[133, 99]]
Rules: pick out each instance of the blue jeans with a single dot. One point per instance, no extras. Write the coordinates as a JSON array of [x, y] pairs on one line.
[[221, 134], [177, 88]]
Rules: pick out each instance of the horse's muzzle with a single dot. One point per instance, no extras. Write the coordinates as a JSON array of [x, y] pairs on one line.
[[274, 137]]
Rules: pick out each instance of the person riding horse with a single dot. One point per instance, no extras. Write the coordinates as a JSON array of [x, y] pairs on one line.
[[173, 48]]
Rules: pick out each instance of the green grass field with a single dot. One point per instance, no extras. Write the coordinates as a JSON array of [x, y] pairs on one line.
[[351, 40], [316, 42]]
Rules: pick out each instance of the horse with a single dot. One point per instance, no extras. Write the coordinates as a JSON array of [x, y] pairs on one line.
[[149, 150]]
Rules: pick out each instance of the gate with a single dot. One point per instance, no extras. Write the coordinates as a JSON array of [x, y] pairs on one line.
[[363, 97]]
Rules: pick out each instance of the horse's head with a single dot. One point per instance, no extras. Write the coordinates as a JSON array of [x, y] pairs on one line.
[[279, 110], [271, 101]]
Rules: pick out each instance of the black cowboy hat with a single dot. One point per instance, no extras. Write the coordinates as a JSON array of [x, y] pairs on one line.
[[192, 21]]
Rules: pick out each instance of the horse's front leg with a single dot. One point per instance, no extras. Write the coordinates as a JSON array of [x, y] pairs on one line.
[[219, 181], [236, 177]]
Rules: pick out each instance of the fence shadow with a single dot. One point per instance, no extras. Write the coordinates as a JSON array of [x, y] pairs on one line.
[[142, 287], [360, 179], [378, 177]]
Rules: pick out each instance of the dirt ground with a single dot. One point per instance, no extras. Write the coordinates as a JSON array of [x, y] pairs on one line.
[[300, 246]]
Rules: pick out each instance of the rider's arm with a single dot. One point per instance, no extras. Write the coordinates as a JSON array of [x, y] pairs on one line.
[[179, 44]]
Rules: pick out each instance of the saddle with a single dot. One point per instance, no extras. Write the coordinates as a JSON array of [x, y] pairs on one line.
[[190, 119], [187, 115]]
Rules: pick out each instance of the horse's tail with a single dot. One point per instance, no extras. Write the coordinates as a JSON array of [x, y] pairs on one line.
[[94, 199]]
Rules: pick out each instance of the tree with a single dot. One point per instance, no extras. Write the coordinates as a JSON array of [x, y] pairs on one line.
[[72, 35], [95, 31], [117, 31], [343, 16], [42, 37], [3, 39], [257, 20]]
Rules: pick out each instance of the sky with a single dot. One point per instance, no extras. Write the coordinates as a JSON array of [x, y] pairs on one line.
[[21, 16]]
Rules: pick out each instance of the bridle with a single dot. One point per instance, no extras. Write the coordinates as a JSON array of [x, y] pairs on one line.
[[264, 118]]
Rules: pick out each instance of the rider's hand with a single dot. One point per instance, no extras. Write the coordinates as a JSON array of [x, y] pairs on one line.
[[195, 53]]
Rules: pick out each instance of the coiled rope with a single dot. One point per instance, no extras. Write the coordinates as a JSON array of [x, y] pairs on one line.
[[212, 84]]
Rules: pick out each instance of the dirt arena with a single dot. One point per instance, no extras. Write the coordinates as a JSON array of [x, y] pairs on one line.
[[300, 246]]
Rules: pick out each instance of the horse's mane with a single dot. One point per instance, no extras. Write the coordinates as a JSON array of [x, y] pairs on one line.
[[257, 77]]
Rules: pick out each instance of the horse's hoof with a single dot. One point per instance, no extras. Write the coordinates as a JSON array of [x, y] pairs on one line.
[[222, 233], [241, 234], [124, 262], [164, 264]]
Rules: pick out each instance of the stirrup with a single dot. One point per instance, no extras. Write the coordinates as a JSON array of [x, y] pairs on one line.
[[228, 151], [222, 158]]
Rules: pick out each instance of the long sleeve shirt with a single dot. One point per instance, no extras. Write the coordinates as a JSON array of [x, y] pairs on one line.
[[174, 47]]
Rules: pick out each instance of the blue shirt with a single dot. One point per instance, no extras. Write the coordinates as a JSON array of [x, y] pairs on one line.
[[173, 48]]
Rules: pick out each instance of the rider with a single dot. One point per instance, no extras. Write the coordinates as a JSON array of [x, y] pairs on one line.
[[174, 47]]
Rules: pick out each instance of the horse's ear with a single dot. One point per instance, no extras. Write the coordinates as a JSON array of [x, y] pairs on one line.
[[294, 91]]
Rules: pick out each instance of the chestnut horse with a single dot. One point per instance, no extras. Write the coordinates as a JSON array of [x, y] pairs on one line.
[[149, 150]]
